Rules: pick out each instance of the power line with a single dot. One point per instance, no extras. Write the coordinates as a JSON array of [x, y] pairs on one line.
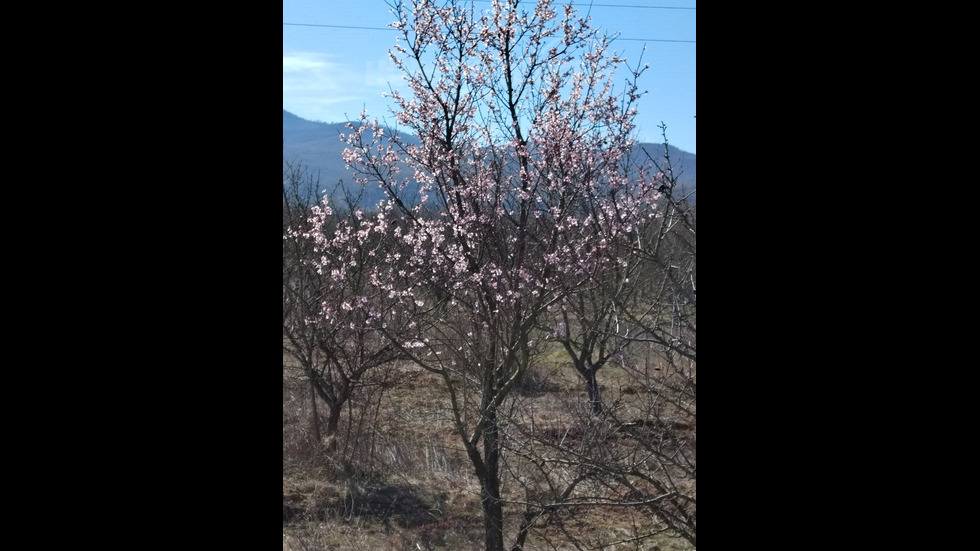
[[647, 7], [623, 6], [341, 27], [391, 29], [656, 40]]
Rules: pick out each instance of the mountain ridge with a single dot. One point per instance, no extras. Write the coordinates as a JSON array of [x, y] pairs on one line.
[[316, 146]]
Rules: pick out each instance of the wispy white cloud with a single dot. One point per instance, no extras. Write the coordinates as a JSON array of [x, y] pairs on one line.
[[306, 73], [302, 62], [332, 88]]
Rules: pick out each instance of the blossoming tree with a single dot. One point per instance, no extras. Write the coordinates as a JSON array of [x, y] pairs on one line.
[[327, 328], [506, 193]]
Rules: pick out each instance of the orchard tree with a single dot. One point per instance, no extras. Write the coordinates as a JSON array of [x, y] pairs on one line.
[[634, 452], [325, 276], [505, 195], [643, 446], [589, 323], [672, 251], [302, 286]]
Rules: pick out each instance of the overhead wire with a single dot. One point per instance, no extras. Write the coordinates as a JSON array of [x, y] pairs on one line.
[[391, 29], [590, 5]]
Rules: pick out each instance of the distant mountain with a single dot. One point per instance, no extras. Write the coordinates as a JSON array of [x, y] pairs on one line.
[[317, 147]]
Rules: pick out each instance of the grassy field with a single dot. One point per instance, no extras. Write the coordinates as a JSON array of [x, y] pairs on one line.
[[395, 476]]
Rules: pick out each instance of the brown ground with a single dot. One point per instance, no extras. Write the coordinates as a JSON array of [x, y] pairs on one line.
[[395, 478]]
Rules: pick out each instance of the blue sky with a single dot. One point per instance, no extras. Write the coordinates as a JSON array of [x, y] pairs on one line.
[[331, 73]]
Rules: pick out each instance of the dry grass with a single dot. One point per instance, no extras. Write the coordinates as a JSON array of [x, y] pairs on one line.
[[395, 476]]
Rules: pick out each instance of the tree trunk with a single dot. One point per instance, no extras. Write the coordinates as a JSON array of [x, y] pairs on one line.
[[595, 400], [523, 532], [314, 415], [587, 369], [335, 402], [493, 508], [333, 420]]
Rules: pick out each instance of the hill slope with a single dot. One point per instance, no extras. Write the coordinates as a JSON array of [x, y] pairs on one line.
[[317, 146]]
